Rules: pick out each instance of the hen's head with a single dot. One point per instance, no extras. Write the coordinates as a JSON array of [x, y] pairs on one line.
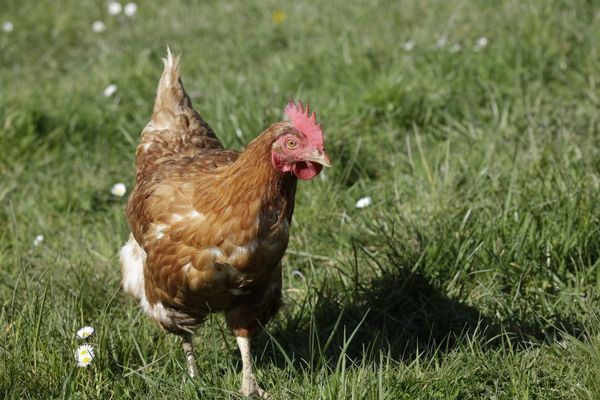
[[299, 147]]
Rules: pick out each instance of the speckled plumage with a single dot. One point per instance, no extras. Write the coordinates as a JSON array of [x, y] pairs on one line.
[[209, 226], [213, 223]]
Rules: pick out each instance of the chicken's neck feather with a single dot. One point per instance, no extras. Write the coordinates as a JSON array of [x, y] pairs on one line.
[[276, 188], [266, 194]]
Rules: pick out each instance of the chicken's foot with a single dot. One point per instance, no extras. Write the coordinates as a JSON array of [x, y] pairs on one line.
[[249, 385], [188, 349]]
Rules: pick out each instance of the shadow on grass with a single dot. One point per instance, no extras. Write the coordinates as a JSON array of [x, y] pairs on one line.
[[401, 313]]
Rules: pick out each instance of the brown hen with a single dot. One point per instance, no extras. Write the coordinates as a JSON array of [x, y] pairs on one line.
[[209, 226]]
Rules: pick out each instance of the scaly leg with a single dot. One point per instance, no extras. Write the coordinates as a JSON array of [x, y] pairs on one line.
[[249, 384], [188, 349]]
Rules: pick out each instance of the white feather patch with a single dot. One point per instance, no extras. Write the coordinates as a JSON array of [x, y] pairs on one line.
[[132, 258]]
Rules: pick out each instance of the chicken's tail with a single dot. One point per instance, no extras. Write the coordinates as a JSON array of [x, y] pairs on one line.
[[171, 97], [175, 130]]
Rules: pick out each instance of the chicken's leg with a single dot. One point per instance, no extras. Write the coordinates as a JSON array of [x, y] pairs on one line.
[[249, 384], [188, 349]]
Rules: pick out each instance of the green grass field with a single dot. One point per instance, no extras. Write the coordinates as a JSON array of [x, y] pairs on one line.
[[474, 273]]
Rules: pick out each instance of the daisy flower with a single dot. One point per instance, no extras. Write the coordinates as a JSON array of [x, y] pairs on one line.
[[409, 45], [118, 189], [110, 90], [130, 9], [84, 355], [481, 44], [98, 27], [38, 240], [8, 26], [114, 8], [85, 332], [364, 202]]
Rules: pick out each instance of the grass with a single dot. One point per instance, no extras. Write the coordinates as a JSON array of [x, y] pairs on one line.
[[474, 274]]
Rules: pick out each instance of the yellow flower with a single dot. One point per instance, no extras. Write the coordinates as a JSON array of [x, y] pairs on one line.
[[278, 16]]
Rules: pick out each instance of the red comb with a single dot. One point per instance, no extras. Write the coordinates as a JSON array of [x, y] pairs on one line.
[[304, 121]]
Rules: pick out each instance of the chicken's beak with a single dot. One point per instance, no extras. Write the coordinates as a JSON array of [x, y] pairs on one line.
[[319, 157]]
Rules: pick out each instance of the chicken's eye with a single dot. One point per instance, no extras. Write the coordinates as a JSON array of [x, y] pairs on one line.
[[291, 144]]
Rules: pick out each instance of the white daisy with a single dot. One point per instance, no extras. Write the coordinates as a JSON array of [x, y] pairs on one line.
[[7, 26], [409, 45], [364, 202], [110, 90], [84, 355], [130, 9], [98, 27], [481, 43], [38, 240], [114, 8], [85, 332], [239, 133], [118, 189]]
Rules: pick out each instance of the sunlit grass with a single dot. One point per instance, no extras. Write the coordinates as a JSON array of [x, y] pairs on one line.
[[472, 271]]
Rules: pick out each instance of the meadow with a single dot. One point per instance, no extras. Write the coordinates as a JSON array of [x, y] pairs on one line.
[[473, 125]]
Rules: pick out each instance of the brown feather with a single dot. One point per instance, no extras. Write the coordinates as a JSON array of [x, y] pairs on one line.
[[176, 130], [213, 223]]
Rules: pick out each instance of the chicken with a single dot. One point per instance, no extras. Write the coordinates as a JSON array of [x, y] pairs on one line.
[[209, 226]]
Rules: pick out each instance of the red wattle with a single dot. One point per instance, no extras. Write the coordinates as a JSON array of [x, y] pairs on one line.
[[306, 170]]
